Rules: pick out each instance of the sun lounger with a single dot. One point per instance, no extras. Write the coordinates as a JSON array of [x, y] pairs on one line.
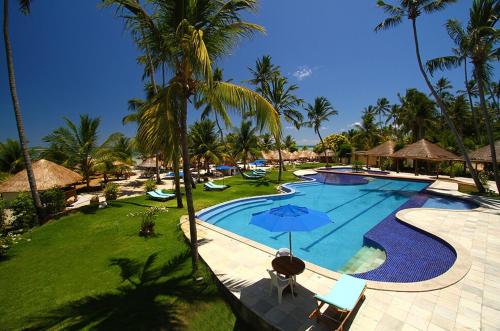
[[253, 176], [158, 196], [210, 186], [346, 294]]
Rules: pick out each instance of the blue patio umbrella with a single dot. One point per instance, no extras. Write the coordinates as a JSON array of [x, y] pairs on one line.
[[223, 168], [290, 218]]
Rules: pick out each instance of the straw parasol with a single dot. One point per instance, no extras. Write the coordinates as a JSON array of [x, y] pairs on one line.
[[424, 150], [385, 149], [47, 175], [483, 154], [148, 163]]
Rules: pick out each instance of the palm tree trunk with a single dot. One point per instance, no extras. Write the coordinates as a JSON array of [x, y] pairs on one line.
[[17, 111], [472, 109], [486, 116], [220, 128], [157, 168], [187, 185], [280, 159], [324, 149], [177, 180], [441, 105]]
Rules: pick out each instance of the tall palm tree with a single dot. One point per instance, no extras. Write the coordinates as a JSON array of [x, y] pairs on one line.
[[204, 143], [290, 144], [412, 10], [193, 34], [367, 133], [317, 114], [417, 113], [483, 39], [264, 71], [266, 142], [25, 9], [282, 97], [459, 57], [79, 142], [382, 109], [245, 143], [11, 156]]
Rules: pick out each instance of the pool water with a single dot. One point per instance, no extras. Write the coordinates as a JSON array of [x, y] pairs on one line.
[[354, 210]]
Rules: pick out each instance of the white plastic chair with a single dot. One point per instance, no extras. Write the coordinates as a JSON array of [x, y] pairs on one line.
[[280, 283], [283, 252]]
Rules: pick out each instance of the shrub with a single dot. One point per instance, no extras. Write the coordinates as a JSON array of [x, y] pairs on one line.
[[111, 191], [53, 201], [150, 185], [3, 216], [484, 178], [147, 228], [7, 241], [357, 165], [23, 212]]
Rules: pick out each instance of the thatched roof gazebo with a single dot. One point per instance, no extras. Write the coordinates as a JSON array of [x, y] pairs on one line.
[[385, 149], [424, 150], [47, 175], [148, 163], [483, 154]]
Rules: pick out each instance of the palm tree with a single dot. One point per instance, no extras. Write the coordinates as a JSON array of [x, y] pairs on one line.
[[204, 143], [78, 142], [266, 142], [317, 114], [193, 34], [483, 38], [25, 9], [417, 113], [282, 97], [11, 157], [412, 10], [245, 143], [382, 109], [366, 132], [264, 71], [290, 144], [459, 57]]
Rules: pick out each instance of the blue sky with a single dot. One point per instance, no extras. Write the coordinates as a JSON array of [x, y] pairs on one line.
[[72, 58]]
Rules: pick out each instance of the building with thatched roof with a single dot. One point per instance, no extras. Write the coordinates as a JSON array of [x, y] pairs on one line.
[[47, 175], [424, 150], [148, 163], [483, 154], [385, 149]]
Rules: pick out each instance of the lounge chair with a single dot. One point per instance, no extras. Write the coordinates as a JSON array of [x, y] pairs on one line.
[[163, 196], [211, 186], [260, 171], [346, 294], [253, 176]]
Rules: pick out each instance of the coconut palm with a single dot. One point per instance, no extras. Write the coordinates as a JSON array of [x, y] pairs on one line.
[[25, 9], [266, 142], [483, 38], [245, 143], [317, 114], [382, 109], [282, 97], [264, 71], [459, 57], [79, 142], [412, 10], [193, 34], [11, 156], [204, 143], [290, 144], [418, 113]]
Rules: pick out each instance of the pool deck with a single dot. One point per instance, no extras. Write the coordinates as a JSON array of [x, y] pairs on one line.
[[467, 297]]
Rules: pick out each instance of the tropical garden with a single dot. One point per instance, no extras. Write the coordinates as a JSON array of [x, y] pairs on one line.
[[90, 269]]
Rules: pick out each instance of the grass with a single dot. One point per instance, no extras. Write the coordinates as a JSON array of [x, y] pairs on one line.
[[471, 189], [91, 270]]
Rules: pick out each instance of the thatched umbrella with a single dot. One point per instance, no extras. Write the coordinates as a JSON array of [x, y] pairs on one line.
[[483, 154], [47, 175], [382, 150], [424, 150], [148, 163]]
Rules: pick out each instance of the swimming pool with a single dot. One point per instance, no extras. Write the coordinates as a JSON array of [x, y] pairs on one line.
[[354, 208]]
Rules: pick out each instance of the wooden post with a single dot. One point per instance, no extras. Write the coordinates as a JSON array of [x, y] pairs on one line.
[[415, 167], [397, 166]]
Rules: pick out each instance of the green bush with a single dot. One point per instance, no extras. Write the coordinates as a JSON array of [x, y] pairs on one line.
[[147, 228], [357, 165], [23, 211], [3, 215], [53, 201], [150, 185], [484, 178], [7, 241], [111, 191]]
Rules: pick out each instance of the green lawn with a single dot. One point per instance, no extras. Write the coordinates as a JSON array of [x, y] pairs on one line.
[[91, 270]]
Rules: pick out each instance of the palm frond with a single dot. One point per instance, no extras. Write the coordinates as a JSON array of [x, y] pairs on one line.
[[389, 22], [442, 63]]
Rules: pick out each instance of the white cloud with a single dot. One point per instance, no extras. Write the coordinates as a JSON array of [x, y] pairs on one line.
[[355, 124], [302, 73]]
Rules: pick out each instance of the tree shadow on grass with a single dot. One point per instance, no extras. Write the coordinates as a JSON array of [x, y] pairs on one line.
[[151, 298]]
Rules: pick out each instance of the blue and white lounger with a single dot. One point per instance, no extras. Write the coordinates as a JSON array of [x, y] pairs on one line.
[[343, 297], [160, 196], [211, 186]]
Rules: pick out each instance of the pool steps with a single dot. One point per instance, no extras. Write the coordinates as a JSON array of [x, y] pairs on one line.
[[216, 211], [366, 259]]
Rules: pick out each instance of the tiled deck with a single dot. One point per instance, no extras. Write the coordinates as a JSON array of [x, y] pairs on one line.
[[470, 302]]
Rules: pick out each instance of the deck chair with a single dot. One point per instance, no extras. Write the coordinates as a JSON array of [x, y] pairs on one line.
[[253, 176], [346, 294], [280, 282], [210, 186], [157, 196]]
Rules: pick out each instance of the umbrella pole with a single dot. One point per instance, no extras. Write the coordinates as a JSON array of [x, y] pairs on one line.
[[290, 243]]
